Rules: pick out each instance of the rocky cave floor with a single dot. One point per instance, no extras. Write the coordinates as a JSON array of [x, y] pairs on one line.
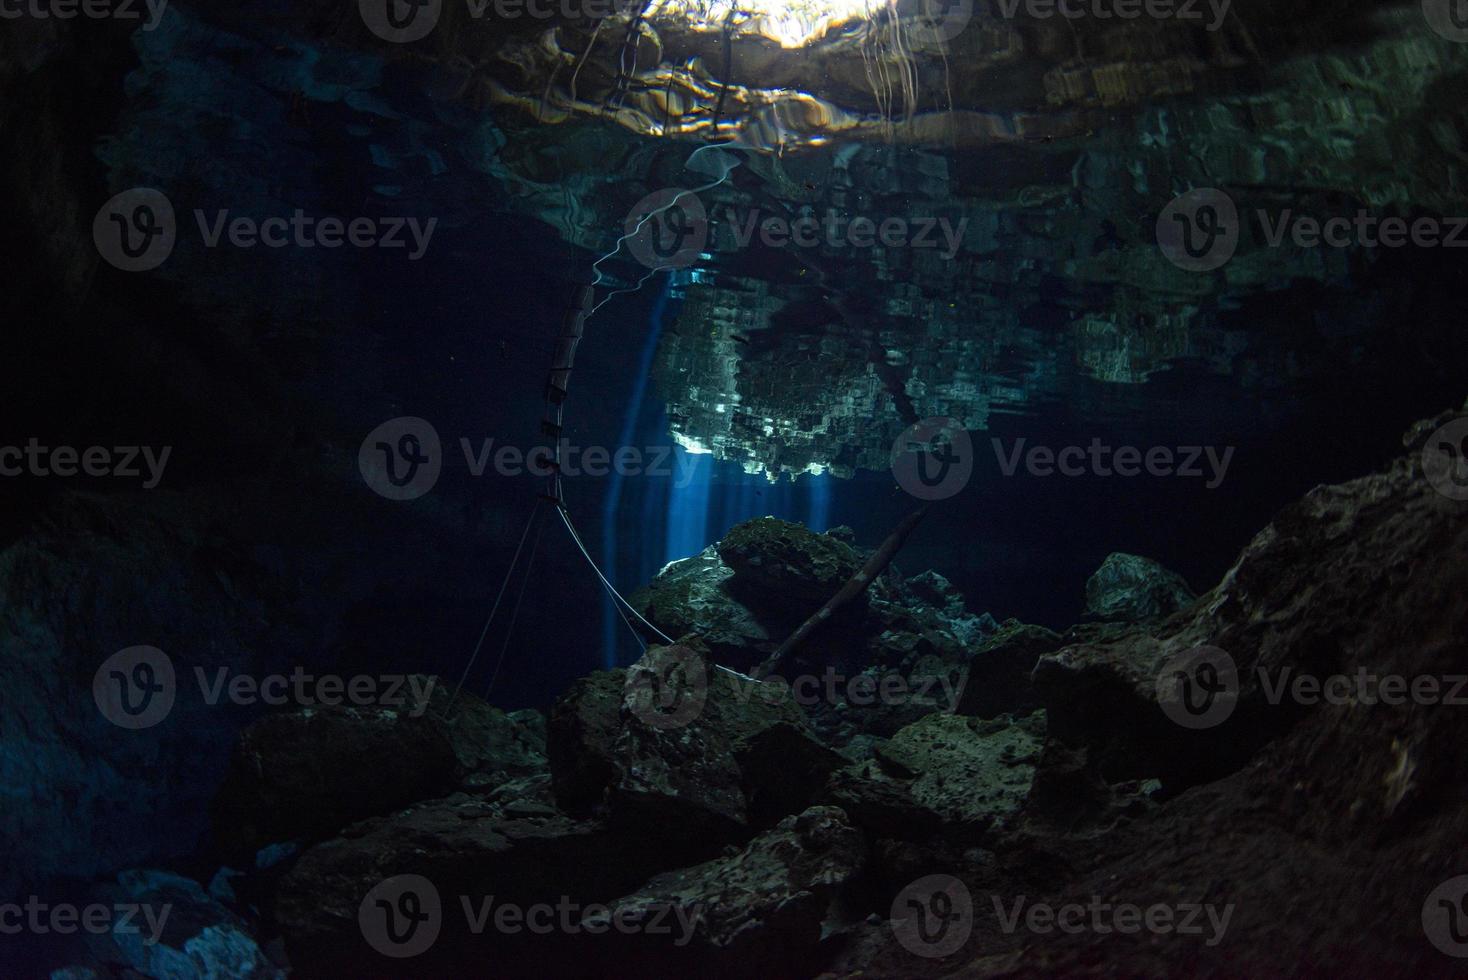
[[786, 825]]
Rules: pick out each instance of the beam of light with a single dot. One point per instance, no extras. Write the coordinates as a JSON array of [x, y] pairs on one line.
[[688, 505], [817, 501], [610, 616]]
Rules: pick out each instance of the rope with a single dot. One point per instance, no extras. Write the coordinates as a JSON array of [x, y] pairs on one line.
[[610, 590], [493, 610], [515, 612]]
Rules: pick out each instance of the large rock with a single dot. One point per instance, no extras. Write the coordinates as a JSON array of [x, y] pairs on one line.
[[963, 778], [1362, 577], [1133, 588], [765, 910], [463, 846], [998, 675], [971, 774], [180, 932], [677, 743], [788, 562], [693, 595], [305, 774]]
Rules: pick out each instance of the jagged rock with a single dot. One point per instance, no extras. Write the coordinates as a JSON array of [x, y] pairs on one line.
[[1361, 576], [936, 591], [879, 804], [580, 735], [96, 573], [787, 562], [880, 703], [770, 906], [958, 776], [843, 533], [783, 769], [199, 938], [693, 596], [1133, 588], [305, 774], [612, 744], [464, 846], [971, 774], [489, 745], [742, 617], [998, 675]]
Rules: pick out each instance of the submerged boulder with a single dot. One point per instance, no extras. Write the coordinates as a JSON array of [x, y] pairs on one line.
[[768, 908], [1360, 579], [1133, 588], [787, 561], [970, 773], [693, 595], [179, 933], [459, 848], [961, 777], [998, 674], [676, 742], [305, 774]]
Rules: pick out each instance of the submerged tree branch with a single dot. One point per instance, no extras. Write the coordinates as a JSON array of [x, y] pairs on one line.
[[854, 587]]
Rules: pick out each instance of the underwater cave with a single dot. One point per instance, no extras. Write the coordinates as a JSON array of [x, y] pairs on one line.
[[733, 488]]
